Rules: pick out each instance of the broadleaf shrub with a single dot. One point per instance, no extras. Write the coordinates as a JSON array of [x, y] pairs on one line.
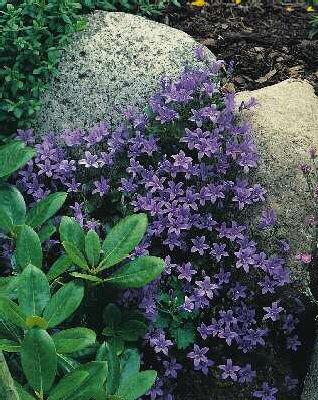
[[219, 309]]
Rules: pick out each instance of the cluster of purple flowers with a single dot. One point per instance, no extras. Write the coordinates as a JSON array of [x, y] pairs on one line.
[[185, 161]]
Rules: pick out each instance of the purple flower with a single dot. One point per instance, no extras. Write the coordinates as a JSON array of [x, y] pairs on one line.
[[200, 360], [273, 312], [186, 272], [89, 161], [101, 187], [293, 343], [219, 251], [171, 368], [267, 392], [199, 245], [205, 330], [161, 344], [268, 219], [206, 287], [229, 370], [246, 374]]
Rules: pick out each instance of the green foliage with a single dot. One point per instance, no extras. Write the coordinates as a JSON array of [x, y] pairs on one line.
[[32, 35], [313, 27], [13, 156]]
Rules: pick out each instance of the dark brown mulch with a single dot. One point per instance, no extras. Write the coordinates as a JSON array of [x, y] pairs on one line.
[[268, 44]]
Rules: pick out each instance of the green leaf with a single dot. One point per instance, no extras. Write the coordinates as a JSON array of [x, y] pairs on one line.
[[66, 363], [9, 346], [97, 373], [71, 231], [86, 277], [23, 394], [92, 247], [46, 231], [184, 336], [136, 385], [61, 265], [45, 209], [12, 312], [9, 286], [137, 273], [123, 238], [129, 364], [63, 303], [36, 321], [111, 315], [39, 360], [68, 385], [34, 291], [13, 156], [74, 339], [107, 352], [75, 255], [28, 249], [12, 207], [131, 330]]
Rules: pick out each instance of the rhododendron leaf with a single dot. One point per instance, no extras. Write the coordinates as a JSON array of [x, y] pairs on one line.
[[45, 209], [9, 286], [28, 249], [72, 232], [46, 231], [61, 265], [63, 303], [137, 273], [68, 385], [73, 339], [12, 207], [123, 238], [67, 363], [75, 255], [13, 156], [34, 291], [136, 385], [86, 277], [107, 352], [12, 312], [38, 358], [92, 247], [9, 346]]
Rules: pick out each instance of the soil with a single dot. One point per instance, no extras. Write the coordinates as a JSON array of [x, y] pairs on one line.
[[267, 43]]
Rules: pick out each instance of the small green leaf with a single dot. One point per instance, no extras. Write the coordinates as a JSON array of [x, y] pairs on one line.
[[75, 255], [63, 303], [45, 209], [34, 291], [137, 273], [107, 352], [129, 364], [92, 247], [61, 265], [112, 315], [12, 312], [71, 231], [184, 336], [136, 385], [9, 346], [13, 156], [74, 339], [39, 360], [68, 385], [86, 277], [131, 330], [46, 231], [28, 249], [123, 238], [12, 207]]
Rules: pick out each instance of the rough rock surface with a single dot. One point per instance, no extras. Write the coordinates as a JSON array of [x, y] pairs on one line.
[[117, 61], [285, 124]]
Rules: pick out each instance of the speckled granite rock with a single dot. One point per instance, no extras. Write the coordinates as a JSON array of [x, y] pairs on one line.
[[286, 125], [115, 62]]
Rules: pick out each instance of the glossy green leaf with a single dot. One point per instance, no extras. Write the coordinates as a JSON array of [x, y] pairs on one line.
[[12, 312], [66, 363], [9, 346], [72, 232], [137, 273], [136, 385], [13, 156], [75, 255], [34, 291], [131, 330], [107, 352], [38, 359], [63, 303], [86, 277], [28, 248], [123, 238], [12, 207], [68, 385], [129, 364], [45, 209], [9, 286], [46, 231], [61, 265], [73, 339], [92, 247], [23, 394]]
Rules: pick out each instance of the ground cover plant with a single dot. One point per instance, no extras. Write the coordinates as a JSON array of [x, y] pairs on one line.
[[219, 311], [40, 302]]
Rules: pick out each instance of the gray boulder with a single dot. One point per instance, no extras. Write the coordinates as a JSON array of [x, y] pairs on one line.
[[117, 61], [285, 126]]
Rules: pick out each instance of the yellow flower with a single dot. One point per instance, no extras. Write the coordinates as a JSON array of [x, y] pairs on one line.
[[289, 9], [310, 9], [238, 2], [199, 3]]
